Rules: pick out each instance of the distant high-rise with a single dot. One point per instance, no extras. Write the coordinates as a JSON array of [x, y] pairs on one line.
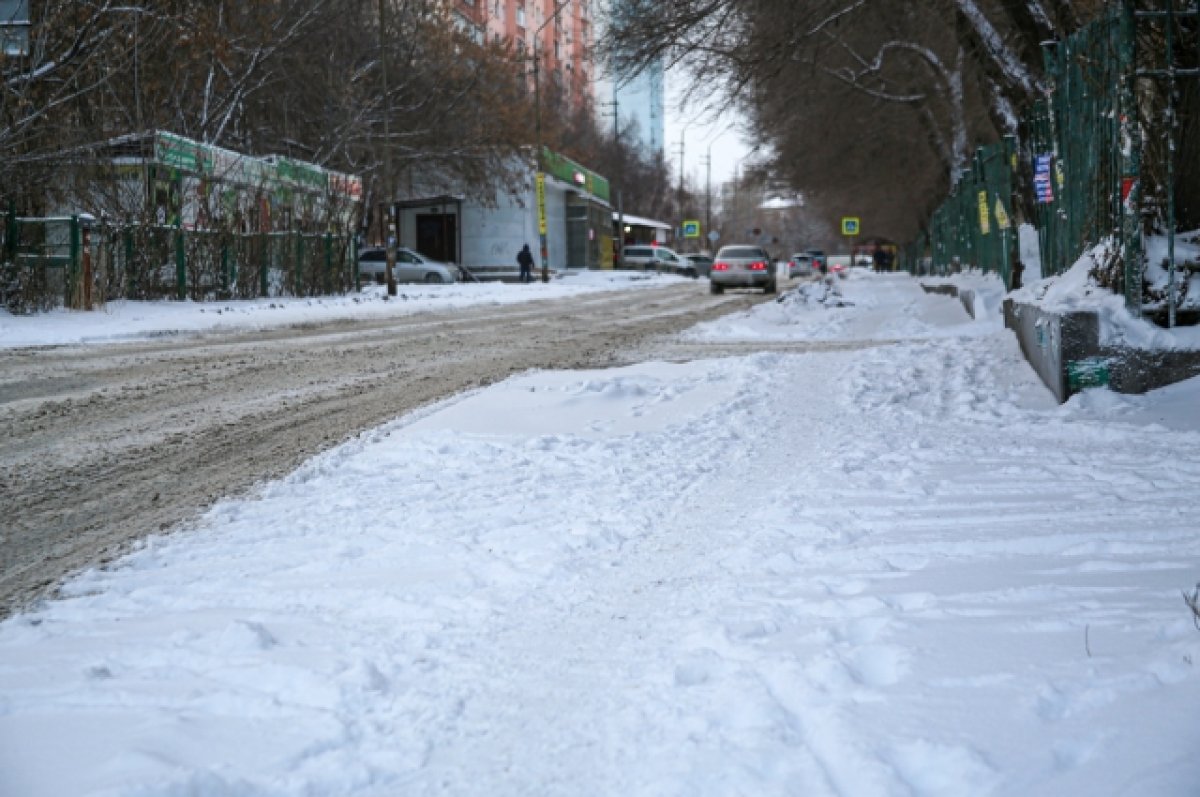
[[640, 99]]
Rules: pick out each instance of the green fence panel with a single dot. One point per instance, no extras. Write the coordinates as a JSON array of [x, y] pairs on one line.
[[1082, 148]]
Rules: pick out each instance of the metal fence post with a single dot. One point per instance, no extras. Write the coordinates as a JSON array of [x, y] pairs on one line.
[[180, 264], [130, 277], [298, 265], [226, 271], [74, 288], [354, 263], [329, 264], [11, 232], [1131, 189], [264, 260]]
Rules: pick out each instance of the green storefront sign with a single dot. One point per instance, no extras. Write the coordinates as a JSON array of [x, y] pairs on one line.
[[567, 170]]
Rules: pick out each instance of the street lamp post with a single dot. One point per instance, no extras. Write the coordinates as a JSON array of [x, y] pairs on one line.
[[540, 179], [389, 221], [620, 251]]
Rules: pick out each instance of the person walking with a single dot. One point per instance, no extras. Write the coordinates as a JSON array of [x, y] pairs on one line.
[[525, 261], [879, 257]]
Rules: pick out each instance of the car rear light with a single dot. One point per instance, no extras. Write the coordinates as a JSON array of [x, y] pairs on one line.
[[720, 266], [757, 266]]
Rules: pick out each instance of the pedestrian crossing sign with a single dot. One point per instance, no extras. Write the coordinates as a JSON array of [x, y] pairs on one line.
[[849, 225], [691, 229]]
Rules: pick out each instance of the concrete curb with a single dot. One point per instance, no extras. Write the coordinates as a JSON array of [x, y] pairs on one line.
[[967, 297], [1065, 351]]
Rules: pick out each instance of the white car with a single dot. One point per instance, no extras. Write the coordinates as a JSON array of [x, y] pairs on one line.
[[657, 258], [410, 267]]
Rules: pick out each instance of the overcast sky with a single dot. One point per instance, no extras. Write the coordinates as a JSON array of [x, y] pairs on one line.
[[699, 133]]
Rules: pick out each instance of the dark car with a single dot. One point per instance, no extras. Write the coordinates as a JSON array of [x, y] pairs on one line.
[[701, 263], [819, 259]]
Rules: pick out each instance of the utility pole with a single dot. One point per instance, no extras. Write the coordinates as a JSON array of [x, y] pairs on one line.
[[679, 243], [540, 178], [616, 106], [389, 221], [708, 191]]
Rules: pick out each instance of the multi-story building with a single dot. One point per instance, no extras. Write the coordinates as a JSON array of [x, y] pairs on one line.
[[564, 31]]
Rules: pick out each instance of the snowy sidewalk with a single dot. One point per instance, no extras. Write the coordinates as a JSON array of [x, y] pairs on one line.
[[900, 570]]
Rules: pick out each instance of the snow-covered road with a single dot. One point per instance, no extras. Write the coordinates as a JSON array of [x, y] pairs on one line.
[[893, 570]]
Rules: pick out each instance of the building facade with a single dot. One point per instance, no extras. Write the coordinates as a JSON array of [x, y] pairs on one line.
[[563, 41]]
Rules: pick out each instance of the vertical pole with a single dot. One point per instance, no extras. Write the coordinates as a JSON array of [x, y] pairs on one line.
[[86, 261], [180, 264], [226, 274], [621, 187], [679, 227], [329, 264], [298, 264], [540, 177], [354, 263], [130, 280], [264, 263], [73, 293], [1171, 299], [390, 208], [1131, 148], [708, 192]]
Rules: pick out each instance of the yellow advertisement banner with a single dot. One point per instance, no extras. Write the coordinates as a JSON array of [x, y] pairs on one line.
[[985, 225], [1001, 215], [541, 203]]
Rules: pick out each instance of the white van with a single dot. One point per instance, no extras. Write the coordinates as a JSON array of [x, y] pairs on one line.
[[658, 258]]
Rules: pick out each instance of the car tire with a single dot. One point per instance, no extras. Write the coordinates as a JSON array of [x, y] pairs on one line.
[[769, 287], [433, 278], [691, 272], [715, 288]]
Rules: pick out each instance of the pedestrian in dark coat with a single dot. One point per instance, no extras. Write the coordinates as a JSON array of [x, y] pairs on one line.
[[525, 261]]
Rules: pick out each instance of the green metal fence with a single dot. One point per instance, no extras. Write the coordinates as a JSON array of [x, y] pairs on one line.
[[1082, 171], [973, 228], [1079, 169], [48, 262], [41, 263], [1098, 161]]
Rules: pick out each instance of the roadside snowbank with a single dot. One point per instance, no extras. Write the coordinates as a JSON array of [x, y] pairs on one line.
[[894, 570], [125, 320], [1076, 290]]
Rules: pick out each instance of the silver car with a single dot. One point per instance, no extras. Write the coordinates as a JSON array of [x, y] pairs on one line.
[[410, 267], [801, 265], [742, 266]]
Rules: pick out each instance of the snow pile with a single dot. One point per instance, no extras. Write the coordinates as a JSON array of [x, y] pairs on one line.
[[899, 569], [862, 307], [124, 320], [1077, 290]]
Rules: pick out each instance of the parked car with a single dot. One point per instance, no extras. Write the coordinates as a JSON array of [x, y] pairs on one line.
[[702, 264], [801, 265], [410, 267], [839, 264], [742, 266], [820, 262], [658, 258]]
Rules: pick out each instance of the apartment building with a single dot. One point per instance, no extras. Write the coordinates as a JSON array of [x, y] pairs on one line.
[[564, 31]]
